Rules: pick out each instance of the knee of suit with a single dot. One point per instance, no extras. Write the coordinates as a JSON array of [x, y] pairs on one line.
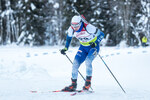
[[88, 68], [76, 62], [88, 62]]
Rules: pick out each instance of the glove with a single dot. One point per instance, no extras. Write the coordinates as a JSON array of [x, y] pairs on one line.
[[93, 44], [63, 51]]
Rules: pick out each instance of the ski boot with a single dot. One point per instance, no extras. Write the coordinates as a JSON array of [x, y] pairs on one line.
[[87, 83], [71, 87]]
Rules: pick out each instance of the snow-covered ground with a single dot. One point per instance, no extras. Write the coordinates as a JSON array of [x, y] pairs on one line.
[[23, 69]]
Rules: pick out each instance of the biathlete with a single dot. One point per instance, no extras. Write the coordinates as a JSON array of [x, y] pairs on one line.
[[89, 37]]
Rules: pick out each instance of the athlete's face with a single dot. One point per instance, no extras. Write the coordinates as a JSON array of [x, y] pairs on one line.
[[76, 26]]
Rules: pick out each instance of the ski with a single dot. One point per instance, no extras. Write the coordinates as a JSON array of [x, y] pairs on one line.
[[35, 91], [81, 92], [62, 91], [73, 93]]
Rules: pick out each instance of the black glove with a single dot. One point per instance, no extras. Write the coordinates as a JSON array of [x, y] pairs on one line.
[[93, 44], [63, 51]]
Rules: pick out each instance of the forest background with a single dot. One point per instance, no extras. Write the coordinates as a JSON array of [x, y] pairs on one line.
[[45, 22]]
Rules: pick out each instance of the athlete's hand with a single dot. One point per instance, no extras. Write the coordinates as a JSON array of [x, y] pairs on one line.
[[93, 44], [63, 51]]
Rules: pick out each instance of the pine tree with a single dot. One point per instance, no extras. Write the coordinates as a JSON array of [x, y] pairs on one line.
[[33, 29]]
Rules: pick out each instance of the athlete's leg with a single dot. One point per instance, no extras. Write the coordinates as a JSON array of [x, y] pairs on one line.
[[92, 53], [78, 60], [89, 59]]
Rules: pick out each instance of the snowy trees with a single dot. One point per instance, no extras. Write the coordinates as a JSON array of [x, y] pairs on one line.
[[118, 19], [8, 32], [44, 22], [24, 21], [31, 21]]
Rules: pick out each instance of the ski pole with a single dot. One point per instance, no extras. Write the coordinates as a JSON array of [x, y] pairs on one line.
[[112, 74], [78, 71]]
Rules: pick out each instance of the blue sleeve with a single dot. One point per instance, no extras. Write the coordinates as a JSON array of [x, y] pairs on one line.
[[68, 41], [100, 36]]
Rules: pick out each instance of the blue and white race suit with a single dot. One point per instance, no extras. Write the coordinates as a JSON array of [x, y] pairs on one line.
[[86, 35]]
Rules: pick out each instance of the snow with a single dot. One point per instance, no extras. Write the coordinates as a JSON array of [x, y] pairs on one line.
[[26, 0], [23, 69], [33, 6], [56, 5], [7, 12]]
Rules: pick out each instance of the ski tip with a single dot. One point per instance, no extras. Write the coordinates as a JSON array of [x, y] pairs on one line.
[[57, 91], [73, 94], [33, 91]]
